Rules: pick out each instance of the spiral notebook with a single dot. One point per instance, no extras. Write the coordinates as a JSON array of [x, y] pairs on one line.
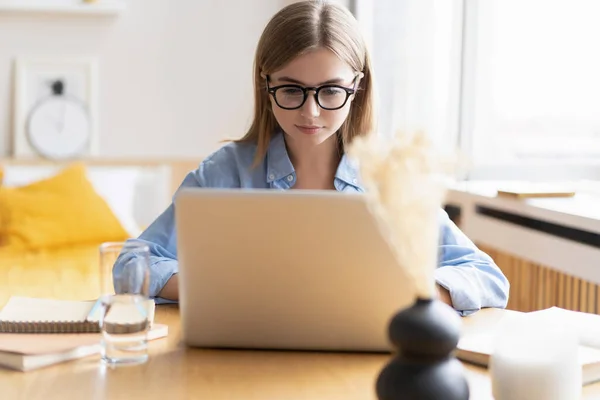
[[34, 315]]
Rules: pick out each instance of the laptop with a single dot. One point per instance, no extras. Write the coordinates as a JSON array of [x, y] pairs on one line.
[[285, 270]]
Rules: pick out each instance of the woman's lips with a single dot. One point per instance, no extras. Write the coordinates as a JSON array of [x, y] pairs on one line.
[[309, 129]]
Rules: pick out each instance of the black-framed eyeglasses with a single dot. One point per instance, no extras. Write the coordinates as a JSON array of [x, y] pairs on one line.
[[328, 97]]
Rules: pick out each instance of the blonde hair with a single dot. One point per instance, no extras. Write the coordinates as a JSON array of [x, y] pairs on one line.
[[295, 30]]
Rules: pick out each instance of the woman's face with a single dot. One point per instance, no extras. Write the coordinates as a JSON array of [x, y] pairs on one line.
[[311, 124]]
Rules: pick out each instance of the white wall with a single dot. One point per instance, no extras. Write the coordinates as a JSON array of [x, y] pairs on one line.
[[174, 76]]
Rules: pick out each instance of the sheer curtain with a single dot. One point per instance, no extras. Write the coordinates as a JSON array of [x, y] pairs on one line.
[[415, 46]]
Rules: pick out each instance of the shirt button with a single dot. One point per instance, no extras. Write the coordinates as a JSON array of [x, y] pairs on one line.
[[290, 178], [354, 180], [271, 176]]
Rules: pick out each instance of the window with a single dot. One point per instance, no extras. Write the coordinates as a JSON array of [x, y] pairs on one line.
[[531, 83], [415, 50]]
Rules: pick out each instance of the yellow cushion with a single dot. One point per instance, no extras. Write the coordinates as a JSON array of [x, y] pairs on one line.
[[63, 273], [2, 222], [61, 210]]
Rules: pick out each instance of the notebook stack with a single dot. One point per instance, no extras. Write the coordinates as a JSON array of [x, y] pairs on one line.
[[35, 333]]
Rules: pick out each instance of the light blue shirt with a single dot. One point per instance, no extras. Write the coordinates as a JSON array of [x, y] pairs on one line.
[[472, 278]]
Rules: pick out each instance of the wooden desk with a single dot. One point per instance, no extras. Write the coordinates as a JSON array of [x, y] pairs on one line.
[[175, 372]]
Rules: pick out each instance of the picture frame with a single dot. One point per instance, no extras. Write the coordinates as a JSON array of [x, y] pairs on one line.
[[86, 8], [33, 83]]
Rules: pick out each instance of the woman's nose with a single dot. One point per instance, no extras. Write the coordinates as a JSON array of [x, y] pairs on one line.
[[311, 107]]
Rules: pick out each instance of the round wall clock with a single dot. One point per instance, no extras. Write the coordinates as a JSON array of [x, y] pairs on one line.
[[59, 125]]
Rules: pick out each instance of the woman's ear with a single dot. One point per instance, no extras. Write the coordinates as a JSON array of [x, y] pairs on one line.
[[264, 78], [359, 77], [357, 81]]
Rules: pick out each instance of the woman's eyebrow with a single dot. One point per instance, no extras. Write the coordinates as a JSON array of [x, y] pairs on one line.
[[327, 82]]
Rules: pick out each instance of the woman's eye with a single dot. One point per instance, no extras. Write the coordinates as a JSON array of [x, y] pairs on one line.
[[291, 91], [332, 91]]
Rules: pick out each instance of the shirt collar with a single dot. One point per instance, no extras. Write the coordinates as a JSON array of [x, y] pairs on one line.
[[279, 164], [348, 172]]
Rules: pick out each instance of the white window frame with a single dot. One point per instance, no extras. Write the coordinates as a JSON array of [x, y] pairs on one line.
[[523, 170]]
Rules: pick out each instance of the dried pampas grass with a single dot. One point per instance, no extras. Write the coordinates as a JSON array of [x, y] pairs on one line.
[[405, 180]]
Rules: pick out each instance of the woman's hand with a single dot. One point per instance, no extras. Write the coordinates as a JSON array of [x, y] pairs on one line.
[[444, 295], [171, 289]]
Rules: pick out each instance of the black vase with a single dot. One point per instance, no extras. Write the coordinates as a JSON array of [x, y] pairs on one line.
[[424, 336]]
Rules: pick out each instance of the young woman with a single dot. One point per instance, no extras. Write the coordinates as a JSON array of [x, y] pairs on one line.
[[313, 95]]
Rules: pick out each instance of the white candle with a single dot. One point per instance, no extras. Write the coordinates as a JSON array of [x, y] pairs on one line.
[[535, 359]]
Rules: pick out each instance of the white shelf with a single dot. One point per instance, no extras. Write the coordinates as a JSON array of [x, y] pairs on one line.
[[76, 7]]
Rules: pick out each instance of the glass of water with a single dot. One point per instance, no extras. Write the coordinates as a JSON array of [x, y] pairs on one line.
[[125, 314]]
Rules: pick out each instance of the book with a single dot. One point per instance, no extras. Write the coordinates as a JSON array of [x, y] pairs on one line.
[[26, 352], [523, 190], [35, 315], [477, 347], [586, 325]]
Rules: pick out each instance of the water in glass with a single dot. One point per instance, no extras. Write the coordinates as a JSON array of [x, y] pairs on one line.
[[124, 326]]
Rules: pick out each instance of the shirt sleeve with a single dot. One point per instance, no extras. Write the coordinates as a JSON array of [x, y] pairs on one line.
[[161, 238], [470, 275]]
